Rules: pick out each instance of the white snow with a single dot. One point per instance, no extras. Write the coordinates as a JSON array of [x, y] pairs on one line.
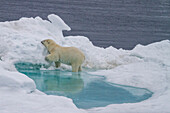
[[144, 66]]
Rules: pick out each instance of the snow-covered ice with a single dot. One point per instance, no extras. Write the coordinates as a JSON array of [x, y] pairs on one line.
[[144, 66]]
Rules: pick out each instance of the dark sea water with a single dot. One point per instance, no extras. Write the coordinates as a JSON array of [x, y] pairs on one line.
[[118, 23]]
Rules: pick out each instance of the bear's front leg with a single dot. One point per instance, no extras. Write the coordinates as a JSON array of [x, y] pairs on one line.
[[57, 64], [51, 58], [47, 58]]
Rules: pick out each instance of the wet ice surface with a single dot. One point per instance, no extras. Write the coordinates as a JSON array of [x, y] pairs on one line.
[[86, 90]]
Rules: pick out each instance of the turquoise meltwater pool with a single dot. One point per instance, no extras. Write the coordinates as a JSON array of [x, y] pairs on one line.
[[86, 90]]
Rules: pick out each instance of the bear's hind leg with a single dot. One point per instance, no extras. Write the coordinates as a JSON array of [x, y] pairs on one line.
[[57, 64], [80, 68], [75, 68]]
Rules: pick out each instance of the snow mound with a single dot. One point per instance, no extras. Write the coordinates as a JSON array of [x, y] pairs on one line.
[[58, 23], [24, 37], [157, 52], [15, 80]]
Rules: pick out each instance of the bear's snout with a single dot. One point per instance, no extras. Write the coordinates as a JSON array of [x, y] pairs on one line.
[[42, 42]]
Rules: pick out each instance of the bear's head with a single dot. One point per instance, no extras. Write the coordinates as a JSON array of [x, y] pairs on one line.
[[47, 42]]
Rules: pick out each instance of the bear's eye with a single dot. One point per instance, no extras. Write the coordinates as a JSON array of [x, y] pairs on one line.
[[48, 42]]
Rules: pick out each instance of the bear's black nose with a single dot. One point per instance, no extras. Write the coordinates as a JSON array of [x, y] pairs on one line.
[[42, 42]]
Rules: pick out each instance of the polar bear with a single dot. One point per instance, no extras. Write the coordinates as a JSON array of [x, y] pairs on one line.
[[67, 55]]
